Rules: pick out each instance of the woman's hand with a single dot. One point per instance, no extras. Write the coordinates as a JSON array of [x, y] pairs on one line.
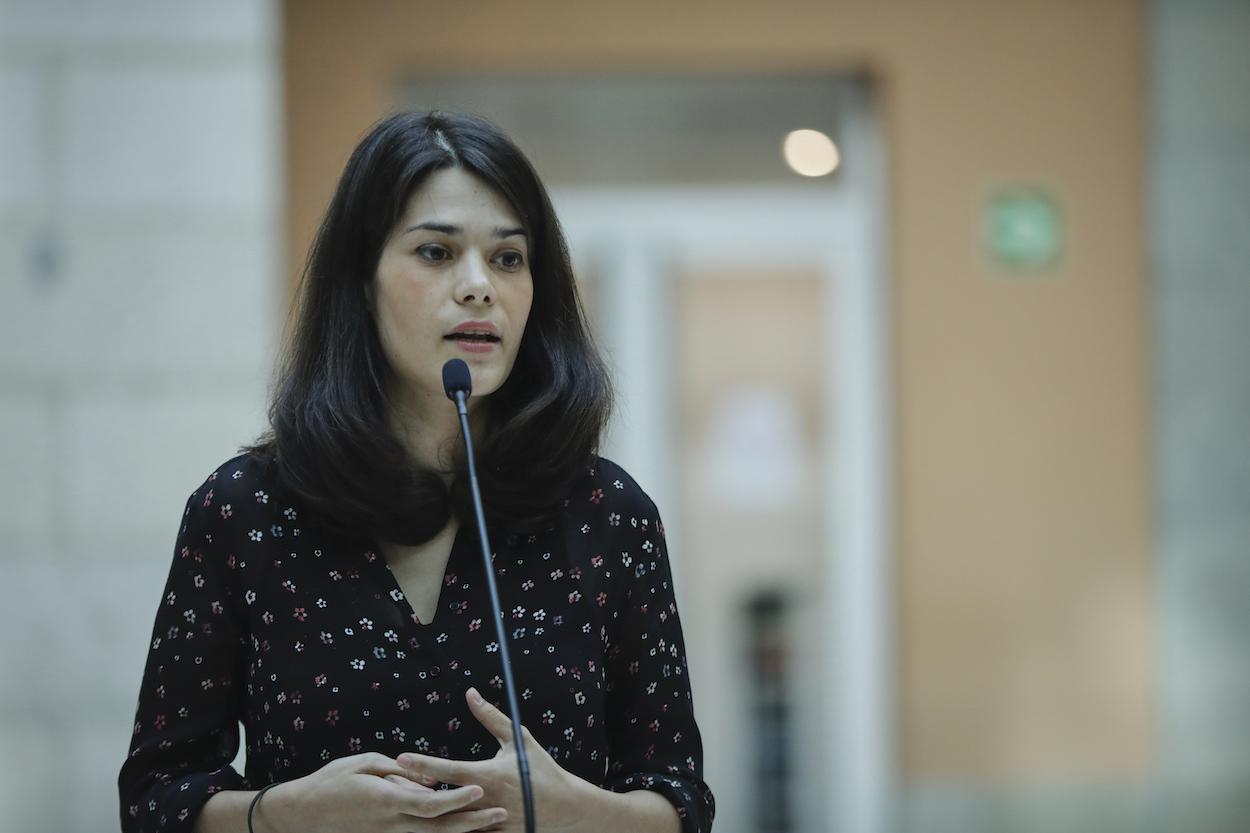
[[559, 796], [367, 793]]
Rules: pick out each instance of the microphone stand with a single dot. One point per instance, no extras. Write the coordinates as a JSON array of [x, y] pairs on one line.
[[523, 764]]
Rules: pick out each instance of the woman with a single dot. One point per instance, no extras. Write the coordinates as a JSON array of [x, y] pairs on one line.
[[326, 592]]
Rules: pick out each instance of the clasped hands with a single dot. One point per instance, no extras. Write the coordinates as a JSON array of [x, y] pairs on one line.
[[493, 786], [371, 793]]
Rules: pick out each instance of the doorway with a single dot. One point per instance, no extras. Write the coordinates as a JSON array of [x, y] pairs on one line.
[[746, 329]]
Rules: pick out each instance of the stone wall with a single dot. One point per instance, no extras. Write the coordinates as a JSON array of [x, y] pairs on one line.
[[140, 289]]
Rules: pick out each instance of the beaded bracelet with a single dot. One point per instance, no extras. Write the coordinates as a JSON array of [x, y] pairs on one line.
[[256, 800]]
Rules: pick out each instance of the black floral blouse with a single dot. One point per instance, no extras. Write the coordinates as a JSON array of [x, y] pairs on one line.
[[305, 638]]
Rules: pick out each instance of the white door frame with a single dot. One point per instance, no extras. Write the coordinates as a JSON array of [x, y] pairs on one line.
[[635, 237]]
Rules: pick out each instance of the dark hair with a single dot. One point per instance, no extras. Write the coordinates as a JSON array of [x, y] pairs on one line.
[[329, 428]]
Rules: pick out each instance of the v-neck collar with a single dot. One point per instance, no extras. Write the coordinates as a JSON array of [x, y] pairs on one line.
[[397, 594]]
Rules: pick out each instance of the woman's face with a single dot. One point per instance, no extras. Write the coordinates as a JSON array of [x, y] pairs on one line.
[[453, 282]]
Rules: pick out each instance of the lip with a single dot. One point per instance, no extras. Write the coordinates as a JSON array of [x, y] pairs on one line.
[[474, 327], [477, 346]]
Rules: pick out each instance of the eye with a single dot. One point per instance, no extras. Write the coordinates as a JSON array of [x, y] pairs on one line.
[[433, 253], [510, 260]]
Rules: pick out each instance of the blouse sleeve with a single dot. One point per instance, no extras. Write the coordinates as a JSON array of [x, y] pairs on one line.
[[186, 730], [654, 742]]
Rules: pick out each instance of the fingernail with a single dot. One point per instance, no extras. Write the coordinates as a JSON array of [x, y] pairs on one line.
[[475, 793], [498, 816], [477, 698], [404, 760]]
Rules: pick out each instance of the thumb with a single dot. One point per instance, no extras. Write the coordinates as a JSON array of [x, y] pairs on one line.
[[495, 721]]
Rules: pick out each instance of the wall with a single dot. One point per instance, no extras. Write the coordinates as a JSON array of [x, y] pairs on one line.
[[1023, 462], [1200, 219], [139, 275], [138, 214], [139, 202]]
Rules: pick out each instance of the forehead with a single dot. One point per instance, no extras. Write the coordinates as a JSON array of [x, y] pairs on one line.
[[455, 194]]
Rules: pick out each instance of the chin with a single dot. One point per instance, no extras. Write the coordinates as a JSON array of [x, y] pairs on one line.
[[486, 380], [488, 372]]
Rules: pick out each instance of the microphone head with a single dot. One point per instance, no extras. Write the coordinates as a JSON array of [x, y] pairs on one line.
[[456, 379]]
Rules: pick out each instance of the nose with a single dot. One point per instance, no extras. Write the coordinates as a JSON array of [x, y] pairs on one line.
[[473, 282]]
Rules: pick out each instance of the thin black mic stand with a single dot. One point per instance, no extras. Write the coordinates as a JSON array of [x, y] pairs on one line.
[[457, 384]]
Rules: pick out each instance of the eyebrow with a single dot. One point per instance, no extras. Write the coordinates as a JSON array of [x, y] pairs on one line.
[[444, 228]]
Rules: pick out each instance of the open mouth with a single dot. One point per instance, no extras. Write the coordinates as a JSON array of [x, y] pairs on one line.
[[480, 338]]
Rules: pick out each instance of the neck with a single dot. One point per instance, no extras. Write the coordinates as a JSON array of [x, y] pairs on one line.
[[429, 429]]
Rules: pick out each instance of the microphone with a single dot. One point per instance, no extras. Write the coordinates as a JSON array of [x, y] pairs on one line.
[[458, 384]]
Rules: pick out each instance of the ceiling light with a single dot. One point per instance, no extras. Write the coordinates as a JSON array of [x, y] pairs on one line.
[[810, 153]]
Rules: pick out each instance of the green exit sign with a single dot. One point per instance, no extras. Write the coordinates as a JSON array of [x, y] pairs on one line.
[[1022, 229]]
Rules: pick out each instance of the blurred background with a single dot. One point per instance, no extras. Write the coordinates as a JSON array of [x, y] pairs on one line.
[[947, 421]]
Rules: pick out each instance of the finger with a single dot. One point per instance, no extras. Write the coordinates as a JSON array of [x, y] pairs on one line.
[[434, 803], [407, 783], [495, 721], [375, 763], [430, 770], [471, 820], [419, 778]]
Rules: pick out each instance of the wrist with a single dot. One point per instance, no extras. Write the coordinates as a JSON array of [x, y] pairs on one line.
[[271, 809], [580, 803], [626, 812], [589, 807]]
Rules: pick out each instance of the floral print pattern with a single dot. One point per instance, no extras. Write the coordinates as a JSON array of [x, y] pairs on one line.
[[304, 638]]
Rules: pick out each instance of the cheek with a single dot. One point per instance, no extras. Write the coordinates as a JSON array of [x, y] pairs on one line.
[[404, 326], [403, 306], [525, 302], [387, 321], [389, 337]]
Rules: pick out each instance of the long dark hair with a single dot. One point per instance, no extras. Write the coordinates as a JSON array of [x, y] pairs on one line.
[[329, 428]]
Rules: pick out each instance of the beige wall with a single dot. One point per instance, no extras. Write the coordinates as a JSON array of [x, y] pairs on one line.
[[1025, 591]]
